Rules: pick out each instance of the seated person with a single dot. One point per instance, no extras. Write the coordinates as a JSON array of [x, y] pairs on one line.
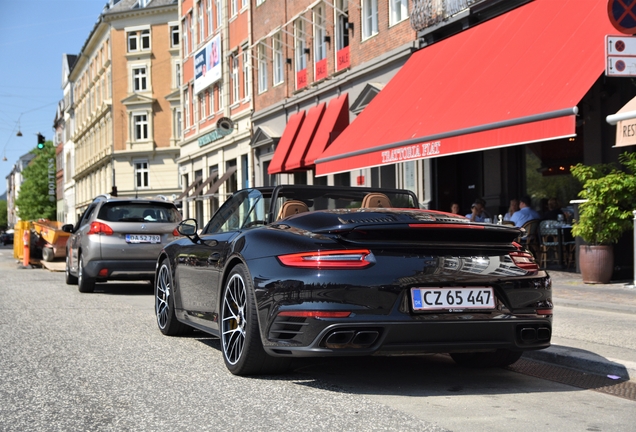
[[514, 208], [525, 212], [554, 210], [477, 211]]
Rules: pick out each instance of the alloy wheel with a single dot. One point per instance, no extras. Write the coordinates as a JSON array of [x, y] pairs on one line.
[[162, 296], [234, 319]]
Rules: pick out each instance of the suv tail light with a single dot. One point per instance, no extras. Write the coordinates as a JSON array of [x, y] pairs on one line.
[[100, 228]]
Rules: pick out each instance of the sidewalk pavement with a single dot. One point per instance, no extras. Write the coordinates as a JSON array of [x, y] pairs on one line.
[[613, 357], [576, 353]]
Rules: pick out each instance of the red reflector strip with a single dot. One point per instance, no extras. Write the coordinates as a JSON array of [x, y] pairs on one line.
[[333, 259], [544, 311], [103, 272], [448, 225], [316, 314]]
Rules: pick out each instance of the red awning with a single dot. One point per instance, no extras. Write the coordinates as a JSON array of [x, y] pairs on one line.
[[296, 158], [514, 79], [334, 121], [285, 143]]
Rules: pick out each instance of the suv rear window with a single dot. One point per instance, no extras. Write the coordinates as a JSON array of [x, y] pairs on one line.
[[139, 212]]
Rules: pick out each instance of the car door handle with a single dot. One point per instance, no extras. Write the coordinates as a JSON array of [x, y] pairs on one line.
[[214, 258]]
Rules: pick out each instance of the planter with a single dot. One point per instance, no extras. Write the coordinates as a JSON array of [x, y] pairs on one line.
[[597, 263]]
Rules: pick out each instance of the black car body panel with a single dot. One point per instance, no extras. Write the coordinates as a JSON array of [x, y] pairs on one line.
[[407, 248]]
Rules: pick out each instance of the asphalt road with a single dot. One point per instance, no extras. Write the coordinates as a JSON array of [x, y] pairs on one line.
[[71, 361]]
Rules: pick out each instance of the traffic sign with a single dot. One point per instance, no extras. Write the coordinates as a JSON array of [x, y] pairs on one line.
[[621, 66], [620, 55], [622, 15]]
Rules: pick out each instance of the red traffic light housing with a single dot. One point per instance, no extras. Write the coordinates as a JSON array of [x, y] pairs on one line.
[[41, 141]]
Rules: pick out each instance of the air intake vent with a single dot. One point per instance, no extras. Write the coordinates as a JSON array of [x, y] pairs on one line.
[[286, 328], [366, 218]]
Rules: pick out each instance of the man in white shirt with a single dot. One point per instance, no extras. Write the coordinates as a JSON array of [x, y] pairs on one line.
[[525, 213]]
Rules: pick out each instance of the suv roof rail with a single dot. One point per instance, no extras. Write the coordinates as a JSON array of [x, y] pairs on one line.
[[162, 197], [101, 197]]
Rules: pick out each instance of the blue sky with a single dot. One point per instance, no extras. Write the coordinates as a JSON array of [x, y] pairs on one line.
[[33, 36]]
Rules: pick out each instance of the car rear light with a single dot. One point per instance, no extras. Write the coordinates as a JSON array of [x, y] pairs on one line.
[[103, 273], [524, 260], [544, 311], [100, 228], [332, 259], [315, 314], [176, 233]]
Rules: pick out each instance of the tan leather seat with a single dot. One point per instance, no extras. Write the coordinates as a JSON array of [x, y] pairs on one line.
[[292, 207], [376, 199]]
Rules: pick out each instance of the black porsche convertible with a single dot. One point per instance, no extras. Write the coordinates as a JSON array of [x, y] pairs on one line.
[[293, 270]]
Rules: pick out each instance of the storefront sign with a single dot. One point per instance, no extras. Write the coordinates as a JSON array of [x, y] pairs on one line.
[[52, 182]]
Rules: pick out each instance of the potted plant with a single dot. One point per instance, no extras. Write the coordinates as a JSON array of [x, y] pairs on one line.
[[607, 213]]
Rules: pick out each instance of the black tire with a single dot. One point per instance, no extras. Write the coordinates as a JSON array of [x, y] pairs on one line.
[[70, 279], [241, 343], [164, 303], [47, 254], [85, 284], [498, 358]]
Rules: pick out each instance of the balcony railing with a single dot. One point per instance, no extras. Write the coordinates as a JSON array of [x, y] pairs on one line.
[[427, 13]]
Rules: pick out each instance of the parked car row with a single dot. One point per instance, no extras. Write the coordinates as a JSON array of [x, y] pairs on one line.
[[299, 271]]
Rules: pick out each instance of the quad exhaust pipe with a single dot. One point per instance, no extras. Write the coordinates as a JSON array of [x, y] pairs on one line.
[[339, 339], [532, 334]]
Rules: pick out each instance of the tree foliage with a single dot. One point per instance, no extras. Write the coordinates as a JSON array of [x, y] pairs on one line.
[[3, 214], [611, 199], [34, 199]]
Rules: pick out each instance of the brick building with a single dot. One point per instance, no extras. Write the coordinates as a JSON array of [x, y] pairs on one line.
[[216, 102], [317, 65]]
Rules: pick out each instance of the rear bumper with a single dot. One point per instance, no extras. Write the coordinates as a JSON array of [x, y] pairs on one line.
[[121, 269], [386, 338]]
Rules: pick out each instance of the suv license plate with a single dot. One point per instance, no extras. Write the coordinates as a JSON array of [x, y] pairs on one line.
[[142, 238], [433, 299]]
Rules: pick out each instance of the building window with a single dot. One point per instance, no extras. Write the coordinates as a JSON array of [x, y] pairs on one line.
[[299, 36], [262, 68], [277, 48], [202, 103], [200, 21], [398, 11], [234, 78], [259, 2], [141, 174], [133, 41], [369, 18], [186, 107], [186, 46], [234, 10], [177, 75], [139, 79], [177, 124], [221, 96], [174, 36], [320, 46], [145, 40], [218, 14], [209, 13], [140, 123], [246, 73], [342, 32]]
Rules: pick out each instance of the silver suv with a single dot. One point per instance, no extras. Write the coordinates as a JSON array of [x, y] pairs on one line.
[[118, 239]]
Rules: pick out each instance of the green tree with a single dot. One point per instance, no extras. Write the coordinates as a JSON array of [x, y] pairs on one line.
[[34, 200], [3, 214]]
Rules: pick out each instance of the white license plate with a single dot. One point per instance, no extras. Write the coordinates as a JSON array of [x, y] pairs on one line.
[[142, 238], [430, 299]]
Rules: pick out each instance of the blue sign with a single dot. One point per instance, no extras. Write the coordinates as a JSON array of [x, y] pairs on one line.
[[622, 15]]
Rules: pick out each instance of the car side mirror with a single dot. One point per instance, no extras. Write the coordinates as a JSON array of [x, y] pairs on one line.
[[188, 227], [67, 228]]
